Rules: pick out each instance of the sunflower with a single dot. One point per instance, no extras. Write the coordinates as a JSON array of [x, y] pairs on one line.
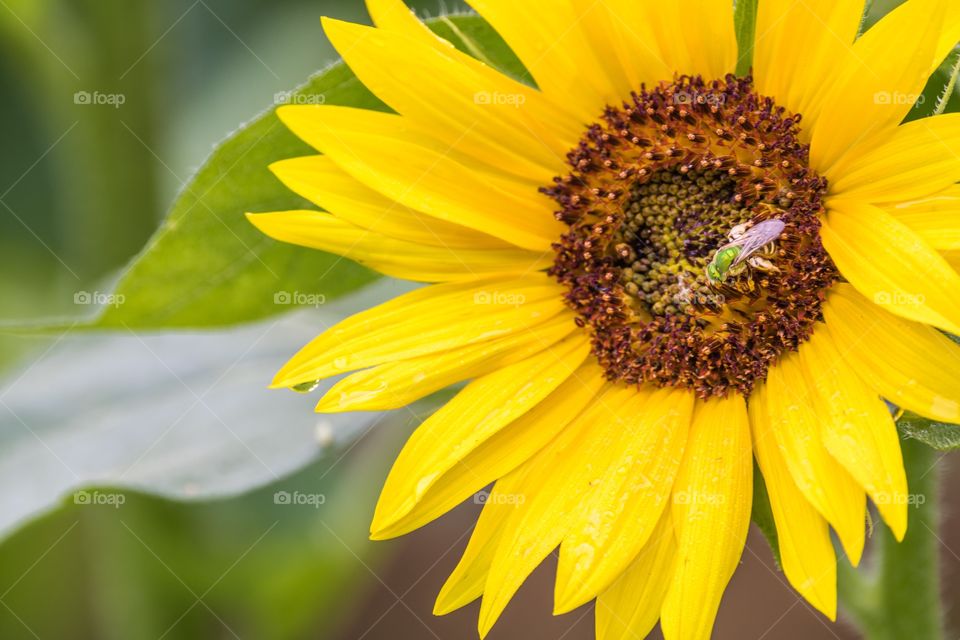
[[651, 272]]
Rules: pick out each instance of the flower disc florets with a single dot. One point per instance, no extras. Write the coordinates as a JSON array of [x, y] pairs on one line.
[[693, 254]]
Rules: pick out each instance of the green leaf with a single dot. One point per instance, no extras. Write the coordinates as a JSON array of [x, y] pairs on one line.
[[762, 514], [941, 94], [939, 435], [207, 266], [745, 25], [183, 415]]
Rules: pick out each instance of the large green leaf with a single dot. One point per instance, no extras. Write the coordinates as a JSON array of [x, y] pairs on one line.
[[207, 266]]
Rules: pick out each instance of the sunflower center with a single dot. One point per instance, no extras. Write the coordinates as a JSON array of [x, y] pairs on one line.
[[693, 253]]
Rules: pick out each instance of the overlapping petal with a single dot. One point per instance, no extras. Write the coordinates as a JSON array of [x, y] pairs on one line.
[[712, 498], [857, 428], [806, 551], [484, 407], [390, 154], [876, 83], [397, 384], [501, 453], [398, 258], [822, 480], [918, 159], [614, 522], [793, 61], [889, 263], [428, 320], [906, 362], [319, 180], [936, 219]]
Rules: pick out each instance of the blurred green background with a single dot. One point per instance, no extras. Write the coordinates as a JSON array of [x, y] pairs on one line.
[[82, 187]]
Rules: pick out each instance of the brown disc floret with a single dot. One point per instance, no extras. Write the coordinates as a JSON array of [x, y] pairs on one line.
[[660, 185]]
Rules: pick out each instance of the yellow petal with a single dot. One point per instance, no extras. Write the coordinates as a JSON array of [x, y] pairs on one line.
[[479, 411], [568, 471], [621, 34], [806, 551], [797, 47], [857, 429], [397, 258], [919, 158], [397, 384], [428, 320], [614, 522], [909, 364], [711, 513], [550, 121], [320, 181], [821, 479], [629, 609], [936, 219], [952, 258], [429, 86], [548, 39], [892, 265], [389, 154], [466, 582], [704, 45], [502, 452], [874, 82]]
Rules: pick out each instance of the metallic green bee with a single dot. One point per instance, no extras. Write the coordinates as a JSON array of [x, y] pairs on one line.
[[749, 246]]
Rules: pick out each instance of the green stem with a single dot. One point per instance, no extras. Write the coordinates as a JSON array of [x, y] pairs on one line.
[[901, 597]]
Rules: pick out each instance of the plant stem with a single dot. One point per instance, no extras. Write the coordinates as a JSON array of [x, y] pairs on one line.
[[901, 598]]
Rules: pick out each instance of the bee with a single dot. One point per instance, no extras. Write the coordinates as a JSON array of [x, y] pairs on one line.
[[748, 246]]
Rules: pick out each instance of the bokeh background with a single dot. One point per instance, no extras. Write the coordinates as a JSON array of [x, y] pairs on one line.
[[82, 187]]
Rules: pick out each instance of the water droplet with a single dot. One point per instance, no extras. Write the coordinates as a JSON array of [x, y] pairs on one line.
[[306, 387]]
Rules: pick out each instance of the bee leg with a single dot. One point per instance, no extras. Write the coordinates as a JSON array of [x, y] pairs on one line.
[[762, 264], [737, 232]]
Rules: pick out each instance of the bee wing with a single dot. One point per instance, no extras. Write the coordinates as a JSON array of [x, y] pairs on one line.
[[756, 237]]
